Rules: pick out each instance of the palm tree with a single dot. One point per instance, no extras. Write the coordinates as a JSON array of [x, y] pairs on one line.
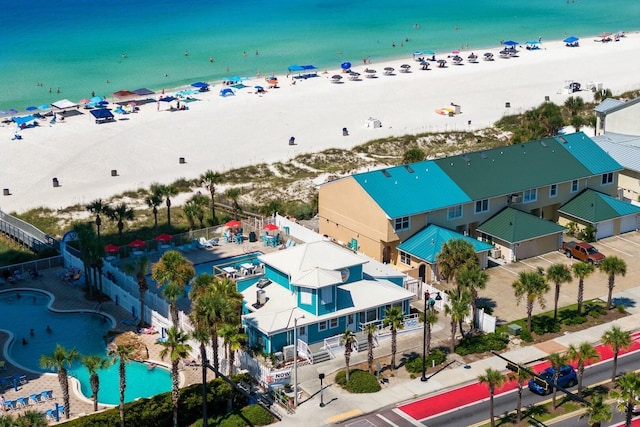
[[210, 179], [138, 267], [201, 334], [618, 340], [574, 104], [582, 355], [613, 266], [457, 308], [556, 360], [97, 207], [89, 250], [173, 271], [430, 318], [532, 286], [153, 201], [348, 340], [394, 318], [494, 380], [120, 213], [602, 94], [520, 377], [213, 309], [232, 340], [558, 274], [60, 360], [581, 270], [454, 254], [177, 348], [166, 192], [29, 418], [234, 195], [94, 363], [597, 412], [473, 278], [626, 394], [122, 353], [371, 329]]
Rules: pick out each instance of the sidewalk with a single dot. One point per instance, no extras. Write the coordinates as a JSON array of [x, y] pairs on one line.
[[341, 405]]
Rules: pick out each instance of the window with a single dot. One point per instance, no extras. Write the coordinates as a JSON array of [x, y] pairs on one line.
[[530, 195], [322, 326], [405, 258], [326, 295], [306, 297], [372, 315], [333, 323], [553, 190], [454, 212], [302, 330], [574, 186], [482, 206], [401, 223], [350, 319], [607, 178]]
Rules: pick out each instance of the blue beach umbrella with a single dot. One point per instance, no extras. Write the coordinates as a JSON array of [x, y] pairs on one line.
[[346, 65], [31, 108], [571, 39], [12, 111], [429, 52], [200, 84], [95, 99], [44, 107], [510, 43], [417, 53]]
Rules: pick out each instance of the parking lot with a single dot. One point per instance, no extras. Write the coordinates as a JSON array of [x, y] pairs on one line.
[[500, 292]]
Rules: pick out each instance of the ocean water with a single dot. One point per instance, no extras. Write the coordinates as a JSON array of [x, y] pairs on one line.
[[76, 47]]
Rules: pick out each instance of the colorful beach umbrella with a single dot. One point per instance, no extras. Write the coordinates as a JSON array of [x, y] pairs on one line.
[[510, 43], [84, 101], [44, 107], [429, 52], [164, 237], [31, 108], [137, 244], [270, 227], [233, 223], [346, 65], [111, 248]]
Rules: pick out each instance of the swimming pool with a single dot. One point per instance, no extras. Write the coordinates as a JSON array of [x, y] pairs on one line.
[[25, 310]]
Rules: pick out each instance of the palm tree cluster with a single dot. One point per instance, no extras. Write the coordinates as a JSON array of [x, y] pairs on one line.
[[118, 213]]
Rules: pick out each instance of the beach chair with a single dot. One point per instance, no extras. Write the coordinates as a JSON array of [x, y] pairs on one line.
[[36, 398], [10, 405], [50, 414], [47, 395], [22, 402], [215, 241], [22, 379]]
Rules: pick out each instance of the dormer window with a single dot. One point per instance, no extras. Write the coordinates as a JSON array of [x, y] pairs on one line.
[[402, 223]]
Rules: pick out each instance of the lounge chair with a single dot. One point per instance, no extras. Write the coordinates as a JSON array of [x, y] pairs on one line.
[[204, 243], [22, 402], [22, 379], [36, 398], [47, 394]]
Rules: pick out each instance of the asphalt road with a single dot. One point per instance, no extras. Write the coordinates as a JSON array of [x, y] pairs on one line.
[[503, 403]]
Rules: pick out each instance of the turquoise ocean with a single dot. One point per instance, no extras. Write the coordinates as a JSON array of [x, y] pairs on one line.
[[76, 46]]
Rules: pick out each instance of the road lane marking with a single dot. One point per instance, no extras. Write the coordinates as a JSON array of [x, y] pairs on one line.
[[629, 241], [386, 420], [509, 270], [611, 247], [407, 417]]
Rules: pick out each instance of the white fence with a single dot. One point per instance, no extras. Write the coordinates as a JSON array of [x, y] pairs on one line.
[[296, 230]]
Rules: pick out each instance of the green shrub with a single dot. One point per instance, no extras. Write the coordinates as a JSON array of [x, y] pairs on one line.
[[254, 415], [525, 336], [621, 308], [571, 317], [541, 324], [414, 364], [482, 343], [359, 381], [595, 310]]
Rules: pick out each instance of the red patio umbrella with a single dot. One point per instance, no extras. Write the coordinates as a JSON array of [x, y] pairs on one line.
[[137, 244], [111, 248], [164, 237], [270, 227], [233, 223]]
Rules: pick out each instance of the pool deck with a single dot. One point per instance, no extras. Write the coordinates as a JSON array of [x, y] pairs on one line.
[[71, 298]]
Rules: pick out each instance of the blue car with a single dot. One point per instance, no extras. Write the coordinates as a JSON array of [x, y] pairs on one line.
[[567, 378]]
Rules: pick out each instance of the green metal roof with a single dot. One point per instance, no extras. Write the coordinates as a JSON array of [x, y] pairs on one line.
[[587, 152], [427, 243], [510, 169], [512, 225], [593, 207], [411, 189]]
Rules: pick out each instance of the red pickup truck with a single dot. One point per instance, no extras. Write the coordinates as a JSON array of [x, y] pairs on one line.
[[582, 251]]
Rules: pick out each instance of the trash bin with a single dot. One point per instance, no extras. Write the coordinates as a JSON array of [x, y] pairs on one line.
[[56, 183], [514, 329], [292, 141], [345, 132], [252, 237]]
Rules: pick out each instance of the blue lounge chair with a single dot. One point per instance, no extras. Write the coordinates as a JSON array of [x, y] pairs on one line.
[[47, 394], [22, 402], [36, 398]]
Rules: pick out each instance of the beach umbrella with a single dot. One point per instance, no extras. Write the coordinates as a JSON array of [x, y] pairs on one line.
[[233, 223], [200, 84], [270, 227], [510, 43], [417, 53], [429, 52], [346, 65], [455, 52], [137, 244], [44, 107], [103, 102], [111, 248], [31, 108], [164, 237], [12, 111], [96, 99], [570, 39], [258, 87], [168, 98]]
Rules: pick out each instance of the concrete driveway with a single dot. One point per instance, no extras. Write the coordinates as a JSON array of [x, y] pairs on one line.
[[499, 292]]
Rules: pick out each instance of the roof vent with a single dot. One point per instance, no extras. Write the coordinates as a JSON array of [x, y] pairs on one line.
[[386, 173], [408, 168], [544, 144], [562, 139]]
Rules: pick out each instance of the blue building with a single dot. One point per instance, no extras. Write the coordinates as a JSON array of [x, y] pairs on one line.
[[322, 288]]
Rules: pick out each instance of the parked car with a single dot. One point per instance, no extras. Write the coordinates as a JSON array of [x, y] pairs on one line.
[[582, 251], [567, 378]]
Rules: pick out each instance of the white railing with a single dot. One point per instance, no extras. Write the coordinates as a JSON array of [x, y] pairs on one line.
[[304, 351], [296, 230]]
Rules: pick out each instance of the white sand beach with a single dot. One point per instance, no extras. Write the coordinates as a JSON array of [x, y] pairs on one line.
[[221, 133]]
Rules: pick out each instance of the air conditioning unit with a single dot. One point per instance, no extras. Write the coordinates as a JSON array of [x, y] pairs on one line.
[[288, 351], [496, 253], [516, 198]]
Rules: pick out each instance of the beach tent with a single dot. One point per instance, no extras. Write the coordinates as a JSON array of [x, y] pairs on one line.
[[102, 115], [143, 91], [227, 92], [22, 120], [124, 94], [64, 103]]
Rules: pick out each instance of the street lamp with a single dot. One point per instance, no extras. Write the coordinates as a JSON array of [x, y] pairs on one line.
[[295, 360], [424, 338], [321, 377]]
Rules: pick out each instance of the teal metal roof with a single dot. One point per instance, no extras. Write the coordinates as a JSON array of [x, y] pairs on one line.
[[587, 152], [411, 189], [592, 206], [512, 225], [427, 243]]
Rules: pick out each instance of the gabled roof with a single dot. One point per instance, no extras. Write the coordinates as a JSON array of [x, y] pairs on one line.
[[594, 207], [608, 105], [411, 189], [322, 254], [315, 278], [625, 149], [512, 225], [427, 243], [587, 152]]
